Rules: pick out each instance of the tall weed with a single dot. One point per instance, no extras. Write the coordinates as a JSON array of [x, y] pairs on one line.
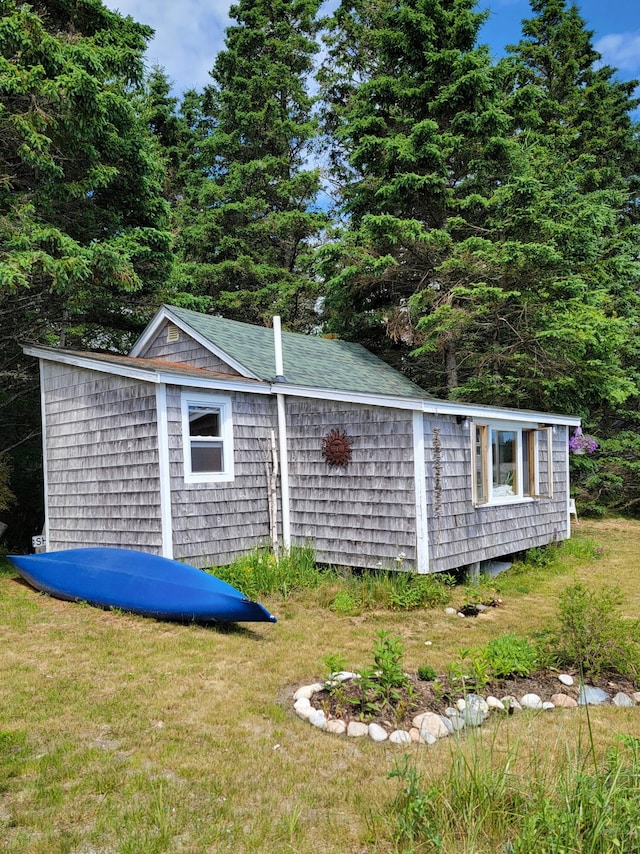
[[482, 803], [592, 636]]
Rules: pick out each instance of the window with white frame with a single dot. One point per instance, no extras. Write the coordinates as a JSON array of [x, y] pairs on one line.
[[511, 462], [207, 431]]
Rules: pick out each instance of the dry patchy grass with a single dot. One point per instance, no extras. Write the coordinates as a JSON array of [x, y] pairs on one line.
[[122, 734]]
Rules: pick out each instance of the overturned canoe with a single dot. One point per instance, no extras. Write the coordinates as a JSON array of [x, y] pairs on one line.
[[138, 582]]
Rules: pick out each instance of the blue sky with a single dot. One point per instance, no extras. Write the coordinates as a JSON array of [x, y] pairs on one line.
[[189, 33]]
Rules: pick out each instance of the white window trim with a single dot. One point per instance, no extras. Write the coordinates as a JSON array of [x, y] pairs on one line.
[[518, 498], [226, 435]]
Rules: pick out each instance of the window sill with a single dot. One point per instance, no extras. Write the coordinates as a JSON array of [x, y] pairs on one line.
[[209, 478], [507, 500]]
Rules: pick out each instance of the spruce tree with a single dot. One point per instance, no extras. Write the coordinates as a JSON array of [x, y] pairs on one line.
[[579, 116], [248, 215], [84, 241], [474, 241], [415, 107]]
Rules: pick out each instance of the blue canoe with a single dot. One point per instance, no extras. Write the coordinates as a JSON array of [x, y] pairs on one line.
[[138, 582]]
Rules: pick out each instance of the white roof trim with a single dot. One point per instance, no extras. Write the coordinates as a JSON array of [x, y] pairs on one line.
[[415, 404], [166, 314], [428, 405]]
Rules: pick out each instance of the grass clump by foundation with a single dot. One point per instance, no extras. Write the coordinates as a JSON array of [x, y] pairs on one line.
[[260, 573], [392, 591]]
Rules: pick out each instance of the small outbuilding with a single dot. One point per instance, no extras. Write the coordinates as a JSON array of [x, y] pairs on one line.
[[214, 437]]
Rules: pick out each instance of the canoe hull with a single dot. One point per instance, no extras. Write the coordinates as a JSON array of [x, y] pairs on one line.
[[140, 583]]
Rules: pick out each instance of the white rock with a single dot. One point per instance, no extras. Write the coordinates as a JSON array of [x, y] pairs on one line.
[[400, 736], [461, 705], [450, 712], [450, 611], [427, 737], [318, 718], [335, 726], [590, 696], [343, 676], [477, 702], [510, 702], [457, 722], [356, 729], [566, 679], [303, 708], [495, 703], [621, 699], [307, 691], [432, 724], [531, 701], [548, 706], [473, 716], [377, 733]]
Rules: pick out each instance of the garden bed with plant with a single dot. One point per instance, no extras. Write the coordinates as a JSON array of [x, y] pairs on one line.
[[590, 642]]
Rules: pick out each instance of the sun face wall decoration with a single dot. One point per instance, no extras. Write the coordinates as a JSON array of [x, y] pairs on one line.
[[336, 448]]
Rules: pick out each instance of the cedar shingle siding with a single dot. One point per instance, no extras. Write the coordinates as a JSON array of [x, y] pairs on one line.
[[114, 462]]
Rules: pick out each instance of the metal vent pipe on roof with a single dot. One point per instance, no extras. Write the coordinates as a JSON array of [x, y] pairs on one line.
[[277, 344]]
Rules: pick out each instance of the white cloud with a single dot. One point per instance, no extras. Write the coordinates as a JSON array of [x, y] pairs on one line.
[[621, 50], [189, 34]]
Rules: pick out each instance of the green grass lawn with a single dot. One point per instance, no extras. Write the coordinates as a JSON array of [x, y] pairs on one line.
[[122, 734]]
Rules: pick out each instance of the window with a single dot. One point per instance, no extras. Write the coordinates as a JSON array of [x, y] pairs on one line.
[[511, 463], [208, 438]]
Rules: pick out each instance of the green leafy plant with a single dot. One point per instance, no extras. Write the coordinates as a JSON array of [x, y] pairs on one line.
[[261, 573], [334, 662], [344, 602], [470, 669], [383, 685], [426, 673], [510, 655]]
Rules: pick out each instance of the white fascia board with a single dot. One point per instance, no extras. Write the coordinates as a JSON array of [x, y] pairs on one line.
[[145, 375], [166, 314], [415, 404], [469, 410], [431, 406]]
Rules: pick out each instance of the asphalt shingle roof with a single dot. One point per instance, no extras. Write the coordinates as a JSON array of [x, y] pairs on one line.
[[309, 360]]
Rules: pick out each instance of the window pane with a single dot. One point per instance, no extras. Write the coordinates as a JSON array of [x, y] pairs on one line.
[[204, 421], [206, 457], [503, 447]]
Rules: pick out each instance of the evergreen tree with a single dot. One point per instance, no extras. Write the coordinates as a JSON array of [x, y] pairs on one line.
[[423, 141], [471, 238], [83, 239], [248, 215], [576, 110]]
